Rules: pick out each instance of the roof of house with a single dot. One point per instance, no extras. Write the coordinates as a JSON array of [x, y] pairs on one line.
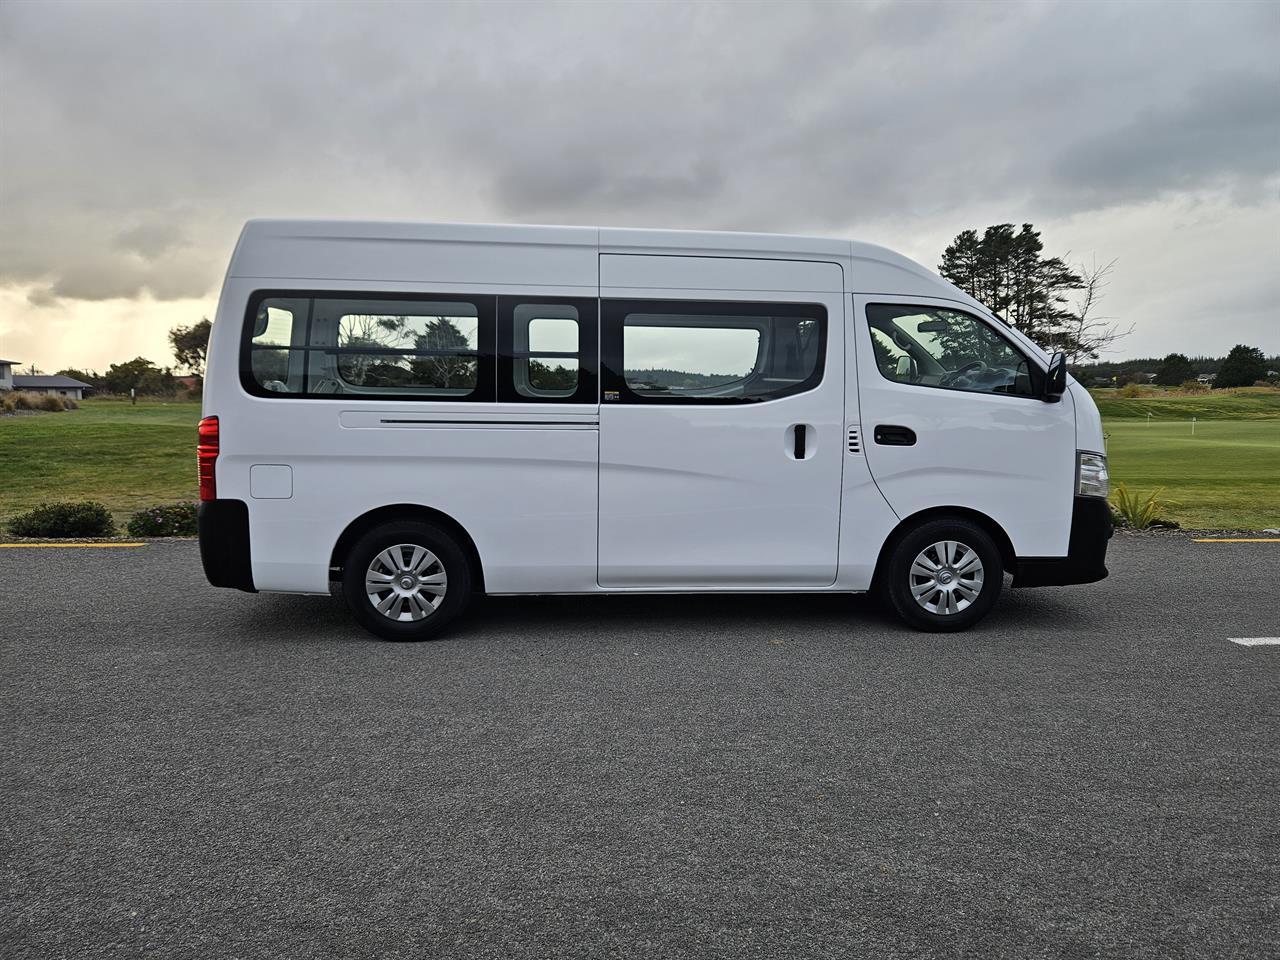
[[11, 362], [48, 381]]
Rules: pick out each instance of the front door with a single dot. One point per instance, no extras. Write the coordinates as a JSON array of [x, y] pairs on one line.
[[721, 422], [951, 417]]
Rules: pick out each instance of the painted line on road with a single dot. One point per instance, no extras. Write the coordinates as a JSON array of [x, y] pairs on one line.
[[1235, 539], [55, 546], [1256, 641]]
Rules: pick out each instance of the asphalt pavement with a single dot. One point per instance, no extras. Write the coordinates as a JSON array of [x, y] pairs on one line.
[[191, 772]]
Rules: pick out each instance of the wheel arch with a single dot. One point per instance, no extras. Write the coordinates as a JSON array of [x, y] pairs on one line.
[[907, 524], [406, 511]]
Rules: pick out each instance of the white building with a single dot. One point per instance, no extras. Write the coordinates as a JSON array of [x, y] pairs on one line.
[[6, 374]]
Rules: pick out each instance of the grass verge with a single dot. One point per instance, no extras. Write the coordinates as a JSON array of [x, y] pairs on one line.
[[127, 457]]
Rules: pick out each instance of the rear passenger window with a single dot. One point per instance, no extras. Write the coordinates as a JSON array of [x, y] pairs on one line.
[[547, 350], [418, 347], [676, 352], [370, 346]]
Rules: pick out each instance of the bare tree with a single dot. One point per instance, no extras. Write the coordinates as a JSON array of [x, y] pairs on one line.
[[1082, 333]]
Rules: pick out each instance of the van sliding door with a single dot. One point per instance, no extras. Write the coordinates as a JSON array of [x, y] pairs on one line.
[[721, 422]]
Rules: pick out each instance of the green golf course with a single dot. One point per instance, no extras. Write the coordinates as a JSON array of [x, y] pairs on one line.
[[1226, 475]]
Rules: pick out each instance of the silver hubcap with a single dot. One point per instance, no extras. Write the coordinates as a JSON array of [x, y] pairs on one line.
[[406, 582], [946, 577]]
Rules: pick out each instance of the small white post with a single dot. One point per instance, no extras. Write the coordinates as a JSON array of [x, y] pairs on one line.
[[1148, 418], [1193, 426]]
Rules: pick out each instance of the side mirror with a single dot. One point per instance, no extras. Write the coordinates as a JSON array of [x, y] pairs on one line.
[[1055, 381], [260, 322]]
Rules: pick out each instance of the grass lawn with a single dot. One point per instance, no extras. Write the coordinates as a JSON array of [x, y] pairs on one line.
[[1226, 476], [127, 457]]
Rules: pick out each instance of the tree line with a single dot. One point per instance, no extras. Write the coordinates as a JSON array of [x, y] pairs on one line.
[[190, 350]]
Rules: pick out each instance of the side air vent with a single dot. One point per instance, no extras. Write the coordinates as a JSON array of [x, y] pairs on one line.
[[855, 443]]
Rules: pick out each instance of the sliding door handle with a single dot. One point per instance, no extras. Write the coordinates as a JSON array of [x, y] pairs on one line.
[[799, 430], [890, 435]]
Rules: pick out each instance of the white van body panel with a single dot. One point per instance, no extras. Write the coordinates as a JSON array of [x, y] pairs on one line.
[[579, 497], [712, 496], [453, 255]]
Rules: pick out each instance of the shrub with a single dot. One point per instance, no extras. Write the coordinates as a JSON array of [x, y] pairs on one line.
[[19, 400], [1133, 510], [1194, 386], [168, 520], [1130, 391], [88, 519]]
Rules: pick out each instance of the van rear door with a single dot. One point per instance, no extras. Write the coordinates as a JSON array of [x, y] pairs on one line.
[[721, 422]]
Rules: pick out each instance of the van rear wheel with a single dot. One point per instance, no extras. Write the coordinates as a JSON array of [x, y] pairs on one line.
[[944, 575], [406, 580]]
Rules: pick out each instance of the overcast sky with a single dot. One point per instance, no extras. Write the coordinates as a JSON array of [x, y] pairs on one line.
[[135, 139]]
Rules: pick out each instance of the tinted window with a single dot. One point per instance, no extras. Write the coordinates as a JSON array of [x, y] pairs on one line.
[[369, 346], [419, 347], [934, 347], [711, 352], [544, 334], [548, 350]]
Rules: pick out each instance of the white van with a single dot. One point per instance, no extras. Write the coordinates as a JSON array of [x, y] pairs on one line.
[[419, 412]]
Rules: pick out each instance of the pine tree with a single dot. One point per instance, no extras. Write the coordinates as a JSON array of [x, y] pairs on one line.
[[1243, 367], [1008, 272], [1174, 370]]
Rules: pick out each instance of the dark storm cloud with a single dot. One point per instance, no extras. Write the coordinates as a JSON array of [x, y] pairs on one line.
[[135, 138], [1225, 128]]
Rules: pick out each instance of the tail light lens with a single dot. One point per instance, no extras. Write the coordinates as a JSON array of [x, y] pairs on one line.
[[207, 456]]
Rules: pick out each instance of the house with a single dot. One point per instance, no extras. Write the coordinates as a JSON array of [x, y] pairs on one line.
[[57, 386], [1206, 378], [6, 374]]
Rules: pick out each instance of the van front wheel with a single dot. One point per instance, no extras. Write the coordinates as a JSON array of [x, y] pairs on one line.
[[944, 575], [406, 580]]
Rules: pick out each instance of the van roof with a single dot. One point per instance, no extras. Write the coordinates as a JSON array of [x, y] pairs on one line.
[[332, 249]]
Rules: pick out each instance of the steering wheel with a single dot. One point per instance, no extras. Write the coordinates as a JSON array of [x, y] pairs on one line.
[[974, 366]]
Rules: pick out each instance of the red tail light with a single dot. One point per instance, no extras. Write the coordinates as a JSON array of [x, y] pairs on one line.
[[207, 456]]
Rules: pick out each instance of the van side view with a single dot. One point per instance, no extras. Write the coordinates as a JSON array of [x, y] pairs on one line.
[[414, 413]]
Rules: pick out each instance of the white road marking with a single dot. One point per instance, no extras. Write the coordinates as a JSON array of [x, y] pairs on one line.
[[1256, 641]]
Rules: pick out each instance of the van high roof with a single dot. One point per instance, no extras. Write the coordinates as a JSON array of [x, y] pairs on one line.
[[395, 251]]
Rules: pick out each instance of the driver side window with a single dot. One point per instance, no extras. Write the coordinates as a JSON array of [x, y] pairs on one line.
[[936, 347]]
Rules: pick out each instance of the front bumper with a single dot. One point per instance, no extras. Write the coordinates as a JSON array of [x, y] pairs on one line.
[[223, 526], [1086, 559]]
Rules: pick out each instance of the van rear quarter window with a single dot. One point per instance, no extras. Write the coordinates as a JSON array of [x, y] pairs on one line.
[[366, 346]]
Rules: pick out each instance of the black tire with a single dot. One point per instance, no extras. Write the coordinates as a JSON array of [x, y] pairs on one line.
[[897, 578], [450, 559]]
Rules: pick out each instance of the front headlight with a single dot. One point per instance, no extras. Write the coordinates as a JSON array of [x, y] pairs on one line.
[[1092, 479]]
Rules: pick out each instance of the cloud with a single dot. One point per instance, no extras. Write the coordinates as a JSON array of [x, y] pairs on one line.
[[136, 138], [1226, 129]]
